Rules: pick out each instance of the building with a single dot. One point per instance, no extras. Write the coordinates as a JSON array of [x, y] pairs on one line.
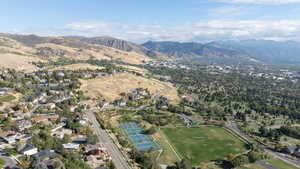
[[120, 103], [29, 150], [71, 146], [45, 155]]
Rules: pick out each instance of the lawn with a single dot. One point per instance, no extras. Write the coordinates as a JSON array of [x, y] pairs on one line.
[[280, 164], [7, 98], [203, 144]]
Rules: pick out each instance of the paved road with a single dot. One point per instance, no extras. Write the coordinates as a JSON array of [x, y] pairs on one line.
[[266, 165], [233, 126], [117, 156]]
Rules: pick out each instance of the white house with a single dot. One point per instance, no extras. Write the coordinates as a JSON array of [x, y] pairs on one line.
[[71, 146], [29, 150]]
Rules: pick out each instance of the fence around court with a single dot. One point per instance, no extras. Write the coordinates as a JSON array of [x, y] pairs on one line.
[[141, 141]]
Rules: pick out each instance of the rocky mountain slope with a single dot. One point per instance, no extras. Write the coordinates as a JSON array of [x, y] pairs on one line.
[[119, 44], [19, 51]]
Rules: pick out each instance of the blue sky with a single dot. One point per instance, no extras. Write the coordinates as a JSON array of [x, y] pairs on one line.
[[141, 20]]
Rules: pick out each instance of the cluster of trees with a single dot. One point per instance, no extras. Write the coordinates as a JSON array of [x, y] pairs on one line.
[[146, 160], [251, 157], [235, 92], [291, 131]]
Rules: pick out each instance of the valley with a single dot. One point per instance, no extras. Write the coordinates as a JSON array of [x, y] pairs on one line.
[[102, 102]]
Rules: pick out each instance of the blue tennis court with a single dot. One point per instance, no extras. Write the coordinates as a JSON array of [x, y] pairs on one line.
[[141, 141]]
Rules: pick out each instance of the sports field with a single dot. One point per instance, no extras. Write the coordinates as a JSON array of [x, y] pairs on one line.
[[203, 144]]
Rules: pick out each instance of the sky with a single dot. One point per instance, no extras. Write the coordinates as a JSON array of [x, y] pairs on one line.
[[157, 20]]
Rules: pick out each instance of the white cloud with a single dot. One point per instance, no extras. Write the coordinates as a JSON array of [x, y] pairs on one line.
[[228, 11], [201, 31], [260, 1]]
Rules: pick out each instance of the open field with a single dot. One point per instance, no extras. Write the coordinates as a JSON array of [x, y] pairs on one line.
[[18, 62], [203, 144], [79, 66], [110, 87], [280, 164], [167, 156]]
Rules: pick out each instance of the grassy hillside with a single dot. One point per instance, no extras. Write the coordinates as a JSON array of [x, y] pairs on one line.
[[110, 87]]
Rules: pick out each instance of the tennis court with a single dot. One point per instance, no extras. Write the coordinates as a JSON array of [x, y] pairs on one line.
[[141, 141]]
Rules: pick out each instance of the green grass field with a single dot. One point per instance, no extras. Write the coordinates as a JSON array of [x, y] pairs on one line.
[[280, 164], [7, 98], [203, 144]]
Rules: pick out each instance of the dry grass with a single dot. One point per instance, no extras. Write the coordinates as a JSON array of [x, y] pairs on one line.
[[79, 66], [18, 62], [98, 52], [110, 87], [134, 68]]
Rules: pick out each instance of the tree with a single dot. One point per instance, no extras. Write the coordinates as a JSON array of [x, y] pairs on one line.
[[92, 139], [240, 160], [181, 165], [66, 139], [150, 131], [254, 156]]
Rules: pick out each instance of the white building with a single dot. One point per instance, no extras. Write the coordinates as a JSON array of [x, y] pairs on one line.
[[29, 150]]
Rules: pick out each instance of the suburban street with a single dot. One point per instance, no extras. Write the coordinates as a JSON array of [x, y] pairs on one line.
[[117, 156]]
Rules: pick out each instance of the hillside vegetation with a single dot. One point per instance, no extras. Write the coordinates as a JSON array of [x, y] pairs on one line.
[[110, 87], [19, 51]]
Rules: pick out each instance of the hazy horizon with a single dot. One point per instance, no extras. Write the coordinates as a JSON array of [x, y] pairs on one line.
[[191, 20]]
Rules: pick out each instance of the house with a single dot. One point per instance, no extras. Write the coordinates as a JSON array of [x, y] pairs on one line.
[[45, 154], [162, 105], [71, 146], [3, 91], [133, 96], [29, 150], [51, 105], [120, 103], [104, 104], [50, 164], [290, 149], [141, 91], [80, 140], [62, 133], [23, 124], [11, 138], [94, 161], [188, 98], [61, 74], [48, 118]]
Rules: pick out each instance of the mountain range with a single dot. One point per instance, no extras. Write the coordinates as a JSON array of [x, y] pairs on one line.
[[19, 51], [252, 51]]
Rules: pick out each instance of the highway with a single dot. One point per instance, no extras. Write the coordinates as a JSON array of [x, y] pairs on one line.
[[234, 127], [116, 155]]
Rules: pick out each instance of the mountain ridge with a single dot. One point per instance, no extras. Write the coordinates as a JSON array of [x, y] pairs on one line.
[[255, 51]]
